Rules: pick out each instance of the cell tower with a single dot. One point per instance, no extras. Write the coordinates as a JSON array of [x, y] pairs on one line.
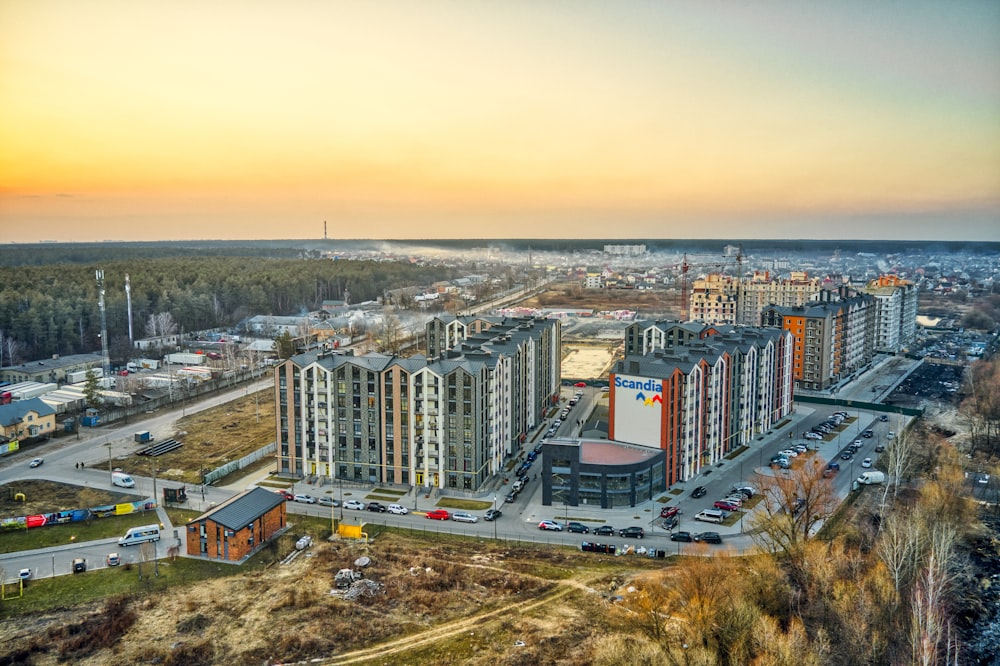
[[128, 299], [104, 324]]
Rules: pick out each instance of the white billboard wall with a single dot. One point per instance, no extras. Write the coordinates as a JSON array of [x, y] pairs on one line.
[[638, 409]]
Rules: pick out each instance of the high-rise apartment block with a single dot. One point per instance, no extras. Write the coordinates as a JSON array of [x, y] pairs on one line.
[[723, 299], [895, 312], [446, 421], [698, 391], [834, 340]]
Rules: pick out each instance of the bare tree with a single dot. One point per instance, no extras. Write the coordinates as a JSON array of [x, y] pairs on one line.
[[794, 504], [930, 625], [899, 462], [161, 325], [898, 547], [10, 350]]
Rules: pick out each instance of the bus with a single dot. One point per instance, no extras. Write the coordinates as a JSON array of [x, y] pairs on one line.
[[140, 535]]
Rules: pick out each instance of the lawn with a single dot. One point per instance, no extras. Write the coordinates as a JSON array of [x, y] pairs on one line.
[[87, 530]]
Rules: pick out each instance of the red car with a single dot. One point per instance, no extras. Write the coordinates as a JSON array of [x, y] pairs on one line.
[[580, 385], [287, 495], [669, 511], [438, 514], [726, 506]]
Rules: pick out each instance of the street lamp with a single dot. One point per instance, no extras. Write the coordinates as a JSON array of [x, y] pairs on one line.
[[494, 516]]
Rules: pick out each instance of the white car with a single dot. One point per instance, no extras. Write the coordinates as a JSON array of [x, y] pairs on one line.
[[867, 462], [397, 509], [36, 462], [464, 517], [305, 499], [789, 453], [550, 525], [813, 435], [354, 504]]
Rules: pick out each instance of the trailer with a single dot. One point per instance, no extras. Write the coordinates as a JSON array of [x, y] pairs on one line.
[[143, 436], [184, 358]]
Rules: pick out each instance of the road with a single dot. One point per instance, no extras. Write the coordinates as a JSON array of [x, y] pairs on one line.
[[520, 519]]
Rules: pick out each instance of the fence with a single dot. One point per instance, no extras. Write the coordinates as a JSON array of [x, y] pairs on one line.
[[248, 459], [860, 405], [111, 414]]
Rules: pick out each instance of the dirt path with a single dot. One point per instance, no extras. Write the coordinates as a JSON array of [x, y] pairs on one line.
[[451, 629]]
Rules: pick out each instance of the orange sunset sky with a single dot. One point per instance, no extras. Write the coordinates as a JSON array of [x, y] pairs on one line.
[[437, 119]]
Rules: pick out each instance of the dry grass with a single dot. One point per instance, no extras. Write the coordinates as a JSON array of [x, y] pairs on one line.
[[452, 603], [216, 436], [42, 496]]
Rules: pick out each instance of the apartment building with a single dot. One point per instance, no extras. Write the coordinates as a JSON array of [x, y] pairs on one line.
[[699, 400], [833, 340], [723, 299], [895, 312], [446, 422]]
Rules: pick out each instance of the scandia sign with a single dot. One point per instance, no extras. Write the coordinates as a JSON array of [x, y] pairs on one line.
[[638, 413]]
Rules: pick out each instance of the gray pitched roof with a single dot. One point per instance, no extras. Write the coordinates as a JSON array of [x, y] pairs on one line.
[[16, 411], [245, 508]]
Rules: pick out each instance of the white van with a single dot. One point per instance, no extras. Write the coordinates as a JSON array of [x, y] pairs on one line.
[[136, 535], [122, 479], [711, 516]]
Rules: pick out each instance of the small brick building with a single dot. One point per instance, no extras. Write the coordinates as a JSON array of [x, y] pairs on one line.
[[238, 528]]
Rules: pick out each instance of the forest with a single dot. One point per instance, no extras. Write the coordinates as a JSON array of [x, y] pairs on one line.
[[53, 308]]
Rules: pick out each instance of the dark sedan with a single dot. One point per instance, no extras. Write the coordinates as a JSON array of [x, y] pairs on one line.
[[700, 491], [681, 536], [604, 530]]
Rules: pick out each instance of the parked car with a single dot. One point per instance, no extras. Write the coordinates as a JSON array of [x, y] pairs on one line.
[[700, 491], [24, 574], [284, 493], [36, 462], [438, 514], [492, 514], [868, 434], [632, 532], [113, 559], [867, 462], [397, 509], [747, 491], [858, 443], [354, 504], [604, 530], [464, 517], [327, 501], [846, 455], [735, 498], [579, 528], [800, 448], [671, 522], [681, 536], [813, 435], [789, 453], [377, 507], [669, 511], [708, 537], [305, 499], [550, 525], [890, 435], [511, 497], [79, 565], [726, 506]]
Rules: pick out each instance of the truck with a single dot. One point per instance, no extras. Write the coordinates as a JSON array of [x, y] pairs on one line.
[[143, 436], [122, 480], [871, 476], [183, 358]]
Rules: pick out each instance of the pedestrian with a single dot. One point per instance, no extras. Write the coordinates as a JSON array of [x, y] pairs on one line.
[[76, 465]]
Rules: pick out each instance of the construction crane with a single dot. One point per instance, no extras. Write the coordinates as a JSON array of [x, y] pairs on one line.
[[722, 264]]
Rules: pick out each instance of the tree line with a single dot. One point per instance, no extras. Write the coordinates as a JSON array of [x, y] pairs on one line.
[[53, 308]]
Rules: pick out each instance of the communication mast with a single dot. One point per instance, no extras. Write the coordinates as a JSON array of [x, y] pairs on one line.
[[128, 299], [104, 323]]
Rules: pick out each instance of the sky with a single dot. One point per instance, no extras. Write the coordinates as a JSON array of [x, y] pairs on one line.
[[157, 120]]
